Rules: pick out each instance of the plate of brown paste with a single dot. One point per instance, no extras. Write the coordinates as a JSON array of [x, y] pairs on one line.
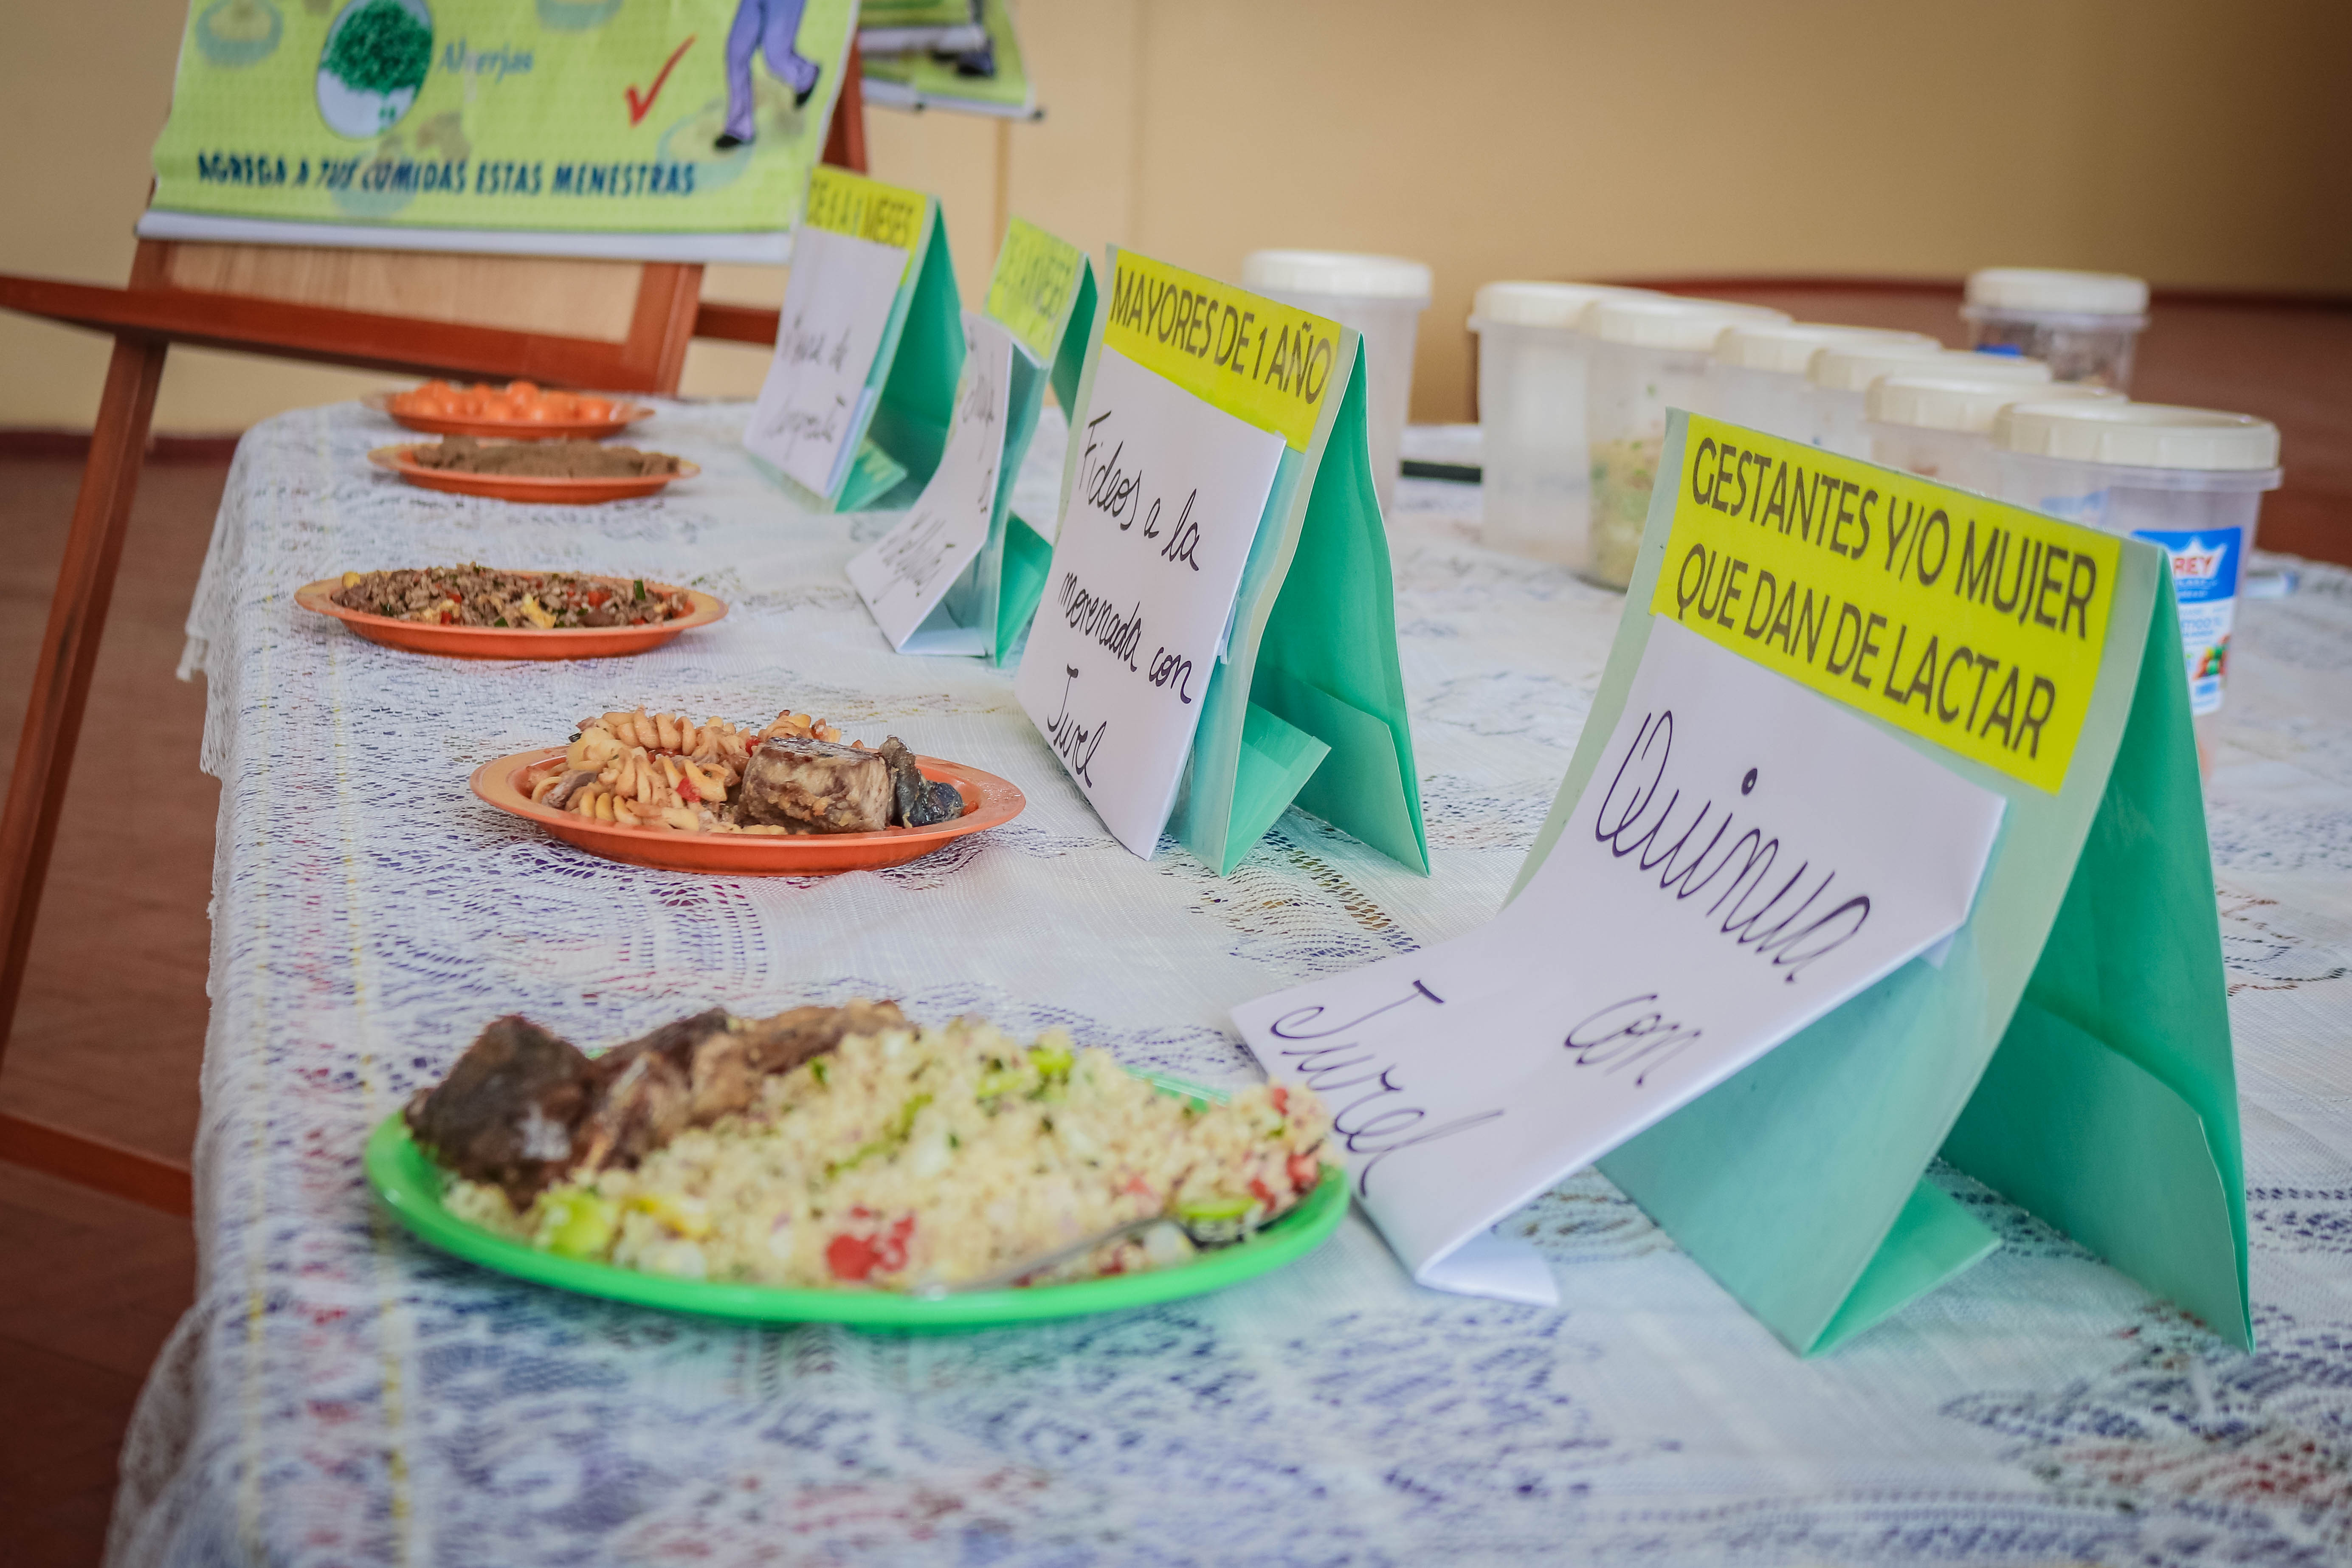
[[567, 472]]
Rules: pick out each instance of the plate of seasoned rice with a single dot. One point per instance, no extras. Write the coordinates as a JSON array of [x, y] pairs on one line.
[[845, 1164], [473, 611]]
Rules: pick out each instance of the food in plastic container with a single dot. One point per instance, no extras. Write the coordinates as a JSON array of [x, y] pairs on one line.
[[2083, 325], [1537, 490], [1648, 355], [1758, 375], [1381, 297], [1940, 427], [1840, 375], [2188, 481]]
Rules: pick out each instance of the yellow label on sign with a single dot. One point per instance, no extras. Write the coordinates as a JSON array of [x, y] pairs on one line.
[[853, 205], [1265, 362], [1977, 625], [1030, 291]]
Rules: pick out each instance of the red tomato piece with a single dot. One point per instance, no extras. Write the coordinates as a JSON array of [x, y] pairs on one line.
[[891, 1248], [1305, 1172], [852, 1257], [849, 1256]]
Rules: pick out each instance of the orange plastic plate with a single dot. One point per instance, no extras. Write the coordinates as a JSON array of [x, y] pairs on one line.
[[511, 642], [989, 801], [624, 416], [526, 487]]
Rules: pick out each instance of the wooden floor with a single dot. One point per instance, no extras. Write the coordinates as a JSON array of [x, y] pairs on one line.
[[111, 1030]]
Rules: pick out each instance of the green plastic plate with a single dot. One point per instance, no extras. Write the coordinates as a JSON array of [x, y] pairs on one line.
[[410, 1183]]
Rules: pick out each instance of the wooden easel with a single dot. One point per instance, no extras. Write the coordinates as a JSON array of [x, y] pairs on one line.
[[615, 326]]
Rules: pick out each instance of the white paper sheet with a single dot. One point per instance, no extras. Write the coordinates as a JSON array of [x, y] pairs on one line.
[[905, 574], [836, 307], [1747, 856], [1147, 559]]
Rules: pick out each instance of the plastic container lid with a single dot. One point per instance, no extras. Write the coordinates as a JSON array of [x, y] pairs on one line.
[[1670, 321], [1854, 369], [1527, 304], [2138, 435], [2054, 289], [1965, 404], [1337, 273], [1786, 348]]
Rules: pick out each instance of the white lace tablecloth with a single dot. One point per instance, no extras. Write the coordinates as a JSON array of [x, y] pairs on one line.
[[342, 1394]]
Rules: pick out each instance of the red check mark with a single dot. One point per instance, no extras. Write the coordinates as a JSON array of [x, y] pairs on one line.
[[641, 107]]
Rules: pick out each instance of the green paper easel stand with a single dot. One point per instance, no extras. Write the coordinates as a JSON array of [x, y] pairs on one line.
[[2072, 1049]]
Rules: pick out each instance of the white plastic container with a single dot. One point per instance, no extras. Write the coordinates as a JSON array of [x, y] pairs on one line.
[[2083, 325], [1758, 377], [1840, 377], [2189, 481], [1537, 489], [1940, 427], [1648, 355], [1381, 297]]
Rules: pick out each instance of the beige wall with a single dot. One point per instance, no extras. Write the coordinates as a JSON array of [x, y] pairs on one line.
[[2194, 143]]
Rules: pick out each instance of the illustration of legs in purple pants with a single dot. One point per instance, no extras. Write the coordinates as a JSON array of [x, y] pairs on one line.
[[767, 28]]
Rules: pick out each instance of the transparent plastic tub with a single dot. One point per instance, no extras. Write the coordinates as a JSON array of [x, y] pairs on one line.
[[1381, 297], [2189, 481], [1648, 356], [1840, 378], [1758, 375], [1940, 427], [1537, 489], [2083, 325]]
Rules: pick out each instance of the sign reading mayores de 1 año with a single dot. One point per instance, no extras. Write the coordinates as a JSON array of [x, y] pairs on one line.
[[692, 116]]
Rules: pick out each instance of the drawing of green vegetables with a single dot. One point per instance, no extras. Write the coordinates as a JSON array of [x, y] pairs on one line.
[[380, 48]]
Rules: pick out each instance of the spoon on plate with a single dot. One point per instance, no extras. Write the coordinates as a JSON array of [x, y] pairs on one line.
[[1205, 1226]]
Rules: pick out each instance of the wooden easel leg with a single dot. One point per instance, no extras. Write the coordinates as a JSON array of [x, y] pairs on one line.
[[845, 139], [53, 716]]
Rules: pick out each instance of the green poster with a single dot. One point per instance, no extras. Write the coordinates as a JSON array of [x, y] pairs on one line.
[[439, 119]]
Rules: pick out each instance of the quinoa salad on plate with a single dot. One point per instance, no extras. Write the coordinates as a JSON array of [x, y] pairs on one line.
[[849, 1148]]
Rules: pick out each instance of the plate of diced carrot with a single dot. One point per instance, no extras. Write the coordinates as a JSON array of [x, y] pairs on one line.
[[521, 411]]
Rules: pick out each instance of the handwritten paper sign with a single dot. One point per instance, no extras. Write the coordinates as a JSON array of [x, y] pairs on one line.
[[1747, 856], [1977, 625], [905, 576], [1163, 500], [815, 401]]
